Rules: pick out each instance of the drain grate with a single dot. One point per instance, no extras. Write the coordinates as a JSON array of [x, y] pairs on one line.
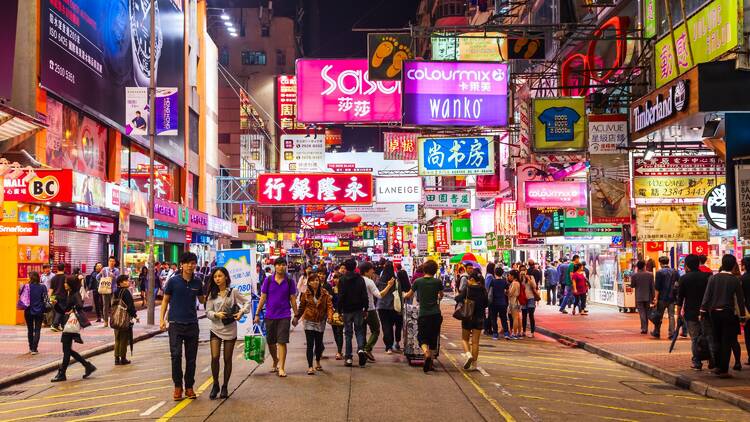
[[73, 413]]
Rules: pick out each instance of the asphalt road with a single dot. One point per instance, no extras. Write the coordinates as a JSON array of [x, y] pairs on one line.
[[531, 379]]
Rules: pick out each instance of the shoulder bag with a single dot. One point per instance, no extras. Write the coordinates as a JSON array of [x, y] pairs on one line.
[[465, 310], [119, 319], [397, 306], [229, 318]]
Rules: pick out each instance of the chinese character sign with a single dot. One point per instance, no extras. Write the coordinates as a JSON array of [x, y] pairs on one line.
[[608, 133], [456, 156], [447, 200], [339, 91], [559, 124], [441, 237], [455, 94], [400, 145], [302, 153], [286, 102], [461, 229], [314, 188], [670, 223]]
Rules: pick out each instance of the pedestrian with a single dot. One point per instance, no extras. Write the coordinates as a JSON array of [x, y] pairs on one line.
[[531, 292], [429, 291], [551, 280], [498, 303], [56, 288], [70, 305], [745, 279], [471, 329], [367, 270], [562, 269], [109, 274], [353, 304], [123, 336], [45, 277], [224, 307], [337, 322], [180, 293], [665, 279], [302, 282], [315, 308], [404, 285], [703, 267], [143, 285], [514, 305], [643, 283], [387, 305], [692, 287], [279, 294], [580, 289], [723, 292], [92, 285], [489, 276], [534, 271], [566, 278], [35, 309]]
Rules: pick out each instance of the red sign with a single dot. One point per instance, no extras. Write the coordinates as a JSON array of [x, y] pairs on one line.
[[188, 235], [579, 69], [286, 106], [654, 246], [400, 145], [310, 223], [699, 248], [82, 222], [19, 229], [315, 188], [42, 186], [441, 237], [678, 166]]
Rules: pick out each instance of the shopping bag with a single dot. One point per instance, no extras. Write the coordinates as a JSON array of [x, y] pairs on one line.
[[255, 346], [105, 286], [72, 326]]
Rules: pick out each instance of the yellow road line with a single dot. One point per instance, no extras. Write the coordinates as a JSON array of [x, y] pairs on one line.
[[184, 403], [596, 416], [57, 396], [57, 412], [91, 418], [551, 364], [564, 383], [500, 410], [78, 400]]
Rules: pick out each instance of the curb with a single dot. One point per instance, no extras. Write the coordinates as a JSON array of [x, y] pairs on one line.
[[698, 387]]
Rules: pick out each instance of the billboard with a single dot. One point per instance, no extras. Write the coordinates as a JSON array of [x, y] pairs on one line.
[[608, 178], [315, 188], [302, 153], [456, 156], [377, 213], [386, 54], [286, 102], [547, 221], [670, 223], [240, 263], [339, 91], [137, 111], [555, 194], [482, 222], [39, 186], [400, 145], [455, 94], [396, 190], [608, 133], [470, 46], [559, 124], [75, 141], [447, 200], [92, 51]]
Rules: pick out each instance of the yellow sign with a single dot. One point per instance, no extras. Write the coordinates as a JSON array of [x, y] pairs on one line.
[[670, 223], [430, 242], [471, 46], [559, 124], [674, 187]]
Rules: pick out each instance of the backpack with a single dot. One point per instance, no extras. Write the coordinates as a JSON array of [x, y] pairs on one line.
[[24, 298], [669, 274]]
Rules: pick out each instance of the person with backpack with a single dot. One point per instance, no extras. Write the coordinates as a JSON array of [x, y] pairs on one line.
[[70, 306], [490, 275], [123, 334], [471, 328], [665, 279], [514, 303], [33, 300], [315, 307]]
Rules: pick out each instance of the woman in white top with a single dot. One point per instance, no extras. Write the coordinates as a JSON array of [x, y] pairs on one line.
[[223, 307]]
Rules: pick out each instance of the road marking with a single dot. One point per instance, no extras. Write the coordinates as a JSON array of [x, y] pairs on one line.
[[452, 345], [57, 396], [96, 406], [482, 371], [153, 408], [554, 365], [530, 413], [502, 389], [206, 369], [443, 336], [596, 416], [184, 403], [564, 383], [91, 418], [77, 400], [500, 410]]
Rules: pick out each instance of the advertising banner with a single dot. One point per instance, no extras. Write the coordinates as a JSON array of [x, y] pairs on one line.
[[386, 54], [92, 51], [447, 200], [397, 190], [505, 218], [670, 223], [455, 94], [668, 179], [577, 224], [743, 200], [39, 186], [498, 184], [137, 113], [556, 194], [526, 173], [286, 103], [441, 237], [400, 145], [559, 124], [678, 166], [713, 31], [547, 221], [482, 222], [456, 156], [339, 91], [608, 133], [302, 153], [377, 213], [8, 21], [240, 263], [608, 182], [461, 229], [18, 229], [167, 212], [368, 162], [531, 47], [685, 187], [82, 222], [315, 188], [470, 46]]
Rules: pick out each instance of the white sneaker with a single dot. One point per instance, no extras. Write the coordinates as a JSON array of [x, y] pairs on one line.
[[473, 367], [469, 361], [531, 335]]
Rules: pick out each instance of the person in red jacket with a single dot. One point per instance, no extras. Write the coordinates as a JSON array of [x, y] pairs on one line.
[[703, 267], [580, 288]]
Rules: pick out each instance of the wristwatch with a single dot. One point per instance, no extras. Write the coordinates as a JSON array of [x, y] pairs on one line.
[[140, 24]]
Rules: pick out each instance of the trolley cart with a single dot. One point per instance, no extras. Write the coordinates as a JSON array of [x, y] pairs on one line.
[[412, 349]]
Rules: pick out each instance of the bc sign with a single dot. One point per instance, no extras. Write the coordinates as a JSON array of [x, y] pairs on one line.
[[456, 156]]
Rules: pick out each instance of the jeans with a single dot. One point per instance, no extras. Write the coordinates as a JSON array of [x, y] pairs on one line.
[[187, 335], [338, 336], [660, 307], [502, 312], [374, 325], [107, 301], [398, 327], [560, 293], [98, 303], [580, 301], [528, 312], [68, 352], [567, 299], [314, 346], [724, 325], [121, 343], [695, 331], [551, 294], [388, 319], [354, 321], [643, 308], [34, 328]]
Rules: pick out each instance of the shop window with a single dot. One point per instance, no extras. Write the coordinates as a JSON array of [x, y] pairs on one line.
[[280, 58], [194, 131], [196, 191], [253, 58], [135, 172], [691, 6]]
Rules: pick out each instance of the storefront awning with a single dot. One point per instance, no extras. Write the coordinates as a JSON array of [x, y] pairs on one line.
[[14, 124]]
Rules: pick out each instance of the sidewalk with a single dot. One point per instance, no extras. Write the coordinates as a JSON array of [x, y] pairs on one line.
[[616, 336], [16, 364]]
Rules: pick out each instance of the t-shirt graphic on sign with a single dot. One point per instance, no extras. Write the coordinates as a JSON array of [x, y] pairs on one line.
[[559, 123]]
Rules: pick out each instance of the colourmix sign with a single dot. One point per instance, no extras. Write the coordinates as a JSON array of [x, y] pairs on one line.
[[456, 156], [455, 94]]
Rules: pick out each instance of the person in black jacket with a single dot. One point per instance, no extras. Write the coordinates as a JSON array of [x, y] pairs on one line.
[[353, 305], [745, 279], [692, 287], [92, 285], [123, 335], [69, 303], [471, 330]]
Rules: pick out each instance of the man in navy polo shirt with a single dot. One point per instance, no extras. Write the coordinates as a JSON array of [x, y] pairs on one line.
[[279, 294], [180, 293]]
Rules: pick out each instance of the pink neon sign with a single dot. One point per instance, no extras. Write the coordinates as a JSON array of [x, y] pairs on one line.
[[339, 91], [555, 194]]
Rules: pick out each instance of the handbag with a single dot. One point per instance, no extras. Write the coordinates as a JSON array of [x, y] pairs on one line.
[[24, 298], [232, 310], [397, 305], [72, 326], [120, 319], [337, 320], [465, 310], [105, 286]]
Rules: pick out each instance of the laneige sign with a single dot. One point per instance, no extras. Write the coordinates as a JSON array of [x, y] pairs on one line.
[[651, 113]]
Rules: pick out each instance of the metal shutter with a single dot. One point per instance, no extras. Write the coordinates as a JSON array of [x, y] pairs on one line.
[[77, 249]]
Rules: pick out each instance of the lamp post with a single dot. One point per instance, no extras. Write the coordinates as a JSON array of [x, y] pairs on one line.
[[151, 135]]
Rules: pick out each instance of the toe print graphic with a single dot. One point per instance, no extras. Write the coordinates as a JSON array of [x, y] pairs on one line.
[[387, 53], [383, 50]]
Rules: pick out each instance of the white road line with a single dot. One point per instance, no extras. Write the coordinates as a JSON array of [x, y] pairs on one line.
[[153, 408], [443, 336], [452, 345], [482, 371], [206, 369], [502, 389], [530, 413]]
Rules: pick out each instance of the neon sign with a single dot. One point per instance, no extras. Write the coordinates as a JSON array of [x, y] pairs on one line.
[[587, 65]]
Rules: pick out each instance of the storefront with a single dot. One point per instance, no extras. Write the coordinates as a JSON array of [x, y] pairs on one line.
[[80, 240], [169, 244]]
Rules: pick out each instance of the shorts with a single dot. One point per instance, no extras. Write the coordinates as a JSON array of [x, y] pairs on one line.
[[277, 330], [474, 324], [428, 330]]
